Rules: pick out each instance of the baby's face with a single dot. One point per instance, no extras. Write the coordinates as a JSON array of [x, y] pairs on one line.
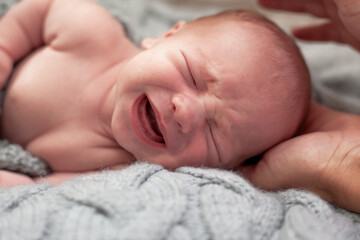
[[199, 98]]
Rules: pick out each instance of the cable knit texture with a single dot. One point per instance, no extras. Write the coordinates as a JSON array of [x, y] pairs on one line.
[[145, 201]]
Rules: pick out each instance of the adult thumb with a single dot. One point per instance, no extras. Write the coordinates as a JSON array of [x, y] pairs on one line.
[[280, 169], [267, 176]]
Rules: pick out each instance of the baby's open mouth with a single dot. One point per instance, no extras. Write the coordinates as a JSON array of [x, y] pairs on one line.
[[149, 121]]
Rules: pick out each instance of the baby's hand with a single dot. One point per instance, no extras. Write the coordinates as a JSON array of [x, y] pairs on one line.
[[343, 16], [21, 32], [5, 67], [11, 179]]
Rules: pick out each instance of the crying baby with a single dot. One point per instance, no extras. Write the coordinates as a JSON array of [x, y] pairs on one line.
[[212, 92]]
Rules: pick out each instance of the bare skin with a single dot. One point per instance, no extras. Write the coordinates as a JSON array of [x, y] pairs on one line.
[[69, 65], [85, 98]]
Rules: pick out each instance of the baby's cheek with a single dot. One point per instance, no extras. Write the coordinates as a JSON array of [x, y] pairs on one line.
[[196, 155]]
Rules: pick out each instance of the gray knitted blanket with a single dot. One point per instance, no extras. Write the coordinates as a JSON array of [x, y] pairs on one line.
[[146, 201]]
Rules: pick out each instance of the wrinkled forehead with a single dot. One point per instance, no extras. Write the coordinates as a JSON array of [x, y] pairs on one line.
[[234, 59], [238, 68]]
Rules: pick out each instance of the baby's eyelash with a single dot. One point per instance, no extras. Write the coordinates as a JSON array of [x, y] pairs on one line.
[[188, 67], [194, 82], [213, 139], [192, 78]]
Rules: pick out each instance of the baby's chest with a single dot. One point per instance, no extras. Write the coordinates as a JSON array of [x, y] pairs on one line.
[[50, 108], [47, 89]]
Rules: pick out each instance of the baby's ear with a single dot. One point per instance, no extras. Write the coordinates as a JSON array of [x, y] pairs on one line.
[[151, 42]]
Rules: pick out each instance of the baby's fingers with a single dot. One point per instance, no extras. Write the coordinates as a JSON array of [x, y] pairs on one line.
[[314, 7], [10, 179], [5, 67]]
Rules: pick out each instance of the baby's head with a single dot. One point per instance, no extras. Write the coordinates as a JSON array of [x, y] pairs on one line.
[[213, 92]]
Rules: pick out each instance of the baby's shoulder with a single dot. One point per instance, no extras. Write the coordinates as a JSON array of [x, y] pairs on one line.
[[82, 25]]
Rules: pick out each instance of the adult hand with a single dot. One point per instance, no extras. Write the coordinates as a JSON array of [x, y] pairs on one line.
[[343, 15], [325, 159]]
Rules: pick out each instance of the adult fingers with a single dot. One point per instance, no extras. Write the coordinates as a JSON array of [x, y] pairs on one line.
[[314, 7], [296, 163], [280, 168], [327, 32], [325, 163], [266, 176], [323, 32]]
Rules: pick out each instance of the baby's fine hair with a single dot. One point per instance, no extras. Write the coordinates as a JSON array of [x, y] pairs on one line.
[[287, 58]]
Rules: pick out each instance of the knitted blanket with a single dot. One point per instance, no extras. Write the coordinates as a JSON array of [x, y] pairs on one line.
[[145, 201]]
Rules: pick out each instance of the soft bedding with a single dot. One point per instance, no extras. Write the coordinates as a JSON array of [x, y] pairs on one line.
[[146, 201]]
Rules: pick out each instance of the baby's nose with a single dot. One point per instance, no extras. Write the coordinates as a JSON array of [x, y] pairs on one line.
[[188, 113]]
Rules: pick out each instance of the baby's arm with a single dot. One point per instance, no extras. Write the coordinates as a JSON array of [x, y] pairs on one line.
[[10, 179], [59, 177], [21, 31], [64, 25]]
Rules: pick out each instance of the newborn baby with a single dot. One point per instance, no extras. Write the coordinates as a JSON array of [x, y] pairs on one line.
[[213, 92]]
